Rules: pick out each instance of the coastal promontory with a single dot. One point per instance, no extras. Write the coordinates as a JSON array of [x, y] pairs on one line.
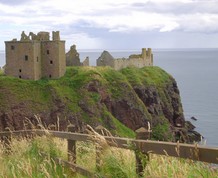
[[121, 101]]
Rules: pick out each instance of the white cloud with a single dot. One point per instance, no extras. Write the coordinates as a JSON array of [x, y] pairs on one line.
[[83, 20], [135, 21], [204, 23], [82, 41], [117, 15]]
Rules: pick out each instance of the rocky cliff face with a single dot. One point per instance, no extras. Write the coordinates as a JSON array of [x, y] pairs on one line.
[[121, 101]]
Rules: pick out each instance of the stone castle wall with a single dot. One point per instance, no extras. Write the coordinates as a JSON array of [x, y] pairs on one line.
[[106, 59], [73, 59], [37, 62], [137, 60], [52, 52], [35, 56], [23, 64], [86, 62], [62, 57]]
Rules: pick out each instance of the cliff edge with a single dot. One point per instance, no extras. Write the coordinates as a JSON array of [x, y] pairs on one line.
[[122, 101]]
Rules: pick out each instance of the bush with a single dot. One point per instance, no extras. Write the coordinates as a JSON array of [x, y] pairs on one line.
[[162, 132]]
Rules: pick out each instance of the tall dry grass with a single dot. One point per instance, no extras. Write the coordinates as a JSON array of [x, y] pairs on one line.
[[164, 166], [25, 160]]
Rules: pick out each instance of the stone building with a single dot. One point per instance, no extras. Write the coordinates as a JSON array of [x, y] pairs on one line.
[[137, 60], [36, 56], [73, 59]]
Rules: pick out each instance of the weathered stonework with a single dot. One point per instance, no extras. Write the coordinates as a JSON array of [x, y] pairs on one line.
[[36, 56], [137, 60], [86, 62], [73, 59]]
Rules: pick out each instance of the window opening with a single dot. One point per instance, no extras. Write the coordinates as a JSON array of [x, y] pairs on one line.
[[47, 51], [50, 76], [51, 62], [20, 70], [26, 58], [12, 47], [20, 76]]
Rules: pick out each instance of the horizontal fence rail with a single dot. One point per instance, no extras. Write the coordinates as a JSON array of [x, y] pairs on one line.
[[190, 151], [73, 166]]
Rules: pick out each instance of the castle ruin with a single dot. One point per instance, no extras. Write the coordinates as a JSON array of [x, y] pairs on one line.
[[73, 59], [137, 60], [36, 56]]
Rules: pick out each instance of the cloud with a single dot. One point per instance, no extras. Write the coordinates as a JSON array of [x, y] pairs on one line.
[[201, 23], [177, 7], [13, 2], [82, 41], [91, 21], [135, 21], [120, 15]]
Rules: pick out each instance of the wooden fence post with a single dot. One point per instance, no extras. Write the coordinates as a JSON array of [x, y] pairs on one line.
[[142, 134], [98, 149], [71, 145], [7, 141]]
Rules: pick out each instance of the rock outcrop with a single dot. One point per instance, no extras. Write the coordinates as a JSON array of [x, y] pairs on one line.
[[122, 101]]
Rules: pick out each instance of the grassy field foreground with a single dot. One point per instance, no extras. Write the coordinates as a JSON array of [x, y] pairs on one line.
[[25, 160]]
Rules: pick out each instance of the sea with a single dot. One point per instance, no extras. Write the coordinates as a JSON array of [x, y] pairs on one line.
[[196, 73]]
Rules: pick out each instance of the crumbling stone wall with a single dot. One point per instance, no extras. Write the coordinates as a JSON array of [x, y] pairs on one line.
[[73, 59], [86, 62], [106, 59], [137, 60]]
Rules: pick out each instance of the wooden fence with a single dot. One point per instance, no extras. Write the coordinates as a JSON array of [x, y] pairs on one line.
[[180, 150]]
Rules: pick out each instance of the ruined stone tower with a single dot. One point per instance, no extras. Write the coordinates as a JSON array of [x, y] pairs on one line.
[[36, 56], [73, 59]]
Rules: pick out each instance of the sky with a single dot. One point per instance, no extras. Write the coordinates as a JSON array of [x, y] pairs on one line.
[[120, 24]]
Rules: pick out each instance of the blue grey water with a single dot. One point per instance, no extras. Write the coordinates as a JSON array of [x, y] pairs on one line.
[[196, 74]]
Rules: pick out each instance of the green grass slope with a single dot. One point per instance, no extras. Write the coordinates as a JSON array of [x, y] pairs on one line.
[[86, 93]]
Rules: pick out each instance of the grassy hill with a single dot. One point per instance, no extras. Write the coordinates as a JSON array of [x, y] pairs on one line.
[[122, 101]]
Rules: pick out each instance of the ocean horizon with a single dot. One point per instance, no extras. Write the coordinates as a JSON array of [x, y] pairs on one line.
[[124, 52]]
